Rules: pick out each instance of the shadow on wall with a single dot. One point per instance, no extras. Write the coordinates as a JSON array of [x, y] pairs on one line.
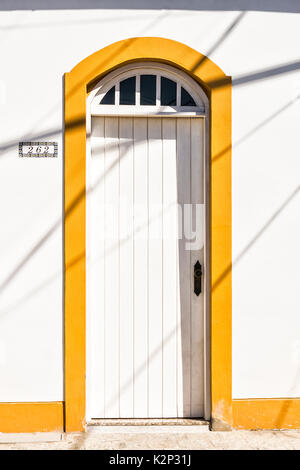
[[289, 6]]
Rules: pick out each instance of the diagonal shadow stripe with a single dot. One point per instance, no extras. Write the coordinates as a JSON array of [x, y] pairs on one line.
[[256, 237]]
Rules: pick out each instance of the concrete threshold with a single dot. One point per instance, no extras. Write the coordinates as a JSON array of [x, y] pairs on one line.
[[148, 422], [141, 426]]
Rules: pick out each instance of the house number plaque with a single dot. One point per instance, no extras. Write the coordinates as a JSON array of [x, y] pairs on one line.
[[38, 149]]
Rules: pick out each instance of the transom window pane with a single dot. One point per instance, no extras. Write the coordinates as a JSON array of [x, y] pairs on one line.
[[148, 90], [127, 91], [168, 92], [109, 97], [186, 99]]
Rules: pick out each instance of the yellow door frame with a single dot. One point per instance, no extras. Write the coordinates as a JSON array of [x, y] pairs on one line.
[[217, 86]]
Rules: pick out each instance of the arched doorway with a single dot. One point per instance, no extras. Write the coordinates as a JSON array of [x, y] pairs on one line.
[[79, 83], [145, 242]]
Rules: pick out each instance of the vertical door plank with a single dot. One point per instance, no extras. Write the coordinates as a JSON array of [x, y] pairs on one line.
[[112, 268], [140, 268], [169, 268], [95, 273], [126, 267], [197, 253], [155, 267], [184, 179]]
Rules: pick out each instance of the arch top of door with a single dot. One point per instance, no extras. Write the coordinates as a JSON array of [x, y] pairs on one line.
[[168, 51], [217, 86], [197, 105]]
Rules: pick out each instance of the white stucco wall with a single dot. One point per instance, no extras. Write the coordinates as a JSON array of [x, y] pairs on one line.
[[36, 49]]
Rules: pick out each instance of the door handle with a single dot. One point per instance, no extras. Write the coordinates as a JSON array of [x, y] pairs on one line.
[[197, 278]]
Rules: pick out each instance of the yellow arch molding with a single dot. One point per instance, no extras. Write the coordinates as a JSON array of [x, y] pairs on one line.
[[218, 88]]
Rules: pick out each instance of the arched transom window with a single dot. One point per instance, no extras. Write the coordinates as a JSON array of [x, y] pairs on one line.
[[148, 89]]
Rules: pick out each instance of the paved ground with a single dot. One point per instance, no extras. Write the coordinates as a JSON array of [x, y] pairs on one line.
[[163, 437]]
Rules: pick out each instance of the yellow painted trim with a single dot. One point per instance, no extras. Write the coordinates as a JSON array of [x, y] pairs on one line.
[[218, 88], [266, 413], [31, 417]]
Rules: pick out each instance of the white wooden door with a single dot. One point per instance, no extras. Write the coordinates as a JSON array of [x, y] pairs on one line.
[[145, 324]]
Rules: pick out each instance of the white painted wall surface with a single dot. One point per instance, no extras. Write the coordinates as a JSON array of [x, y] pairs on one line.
[[36, 49]]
